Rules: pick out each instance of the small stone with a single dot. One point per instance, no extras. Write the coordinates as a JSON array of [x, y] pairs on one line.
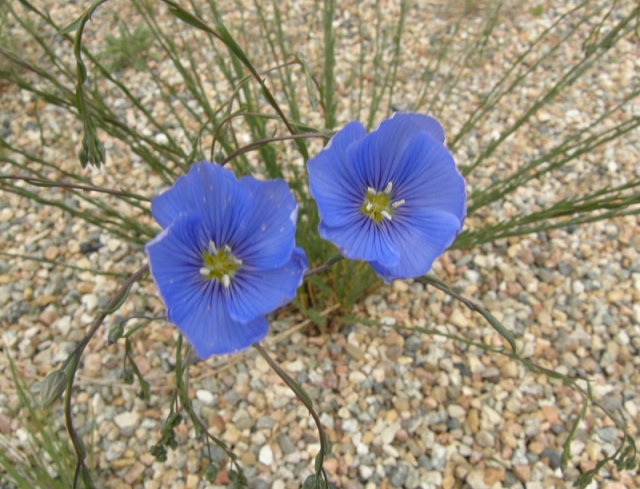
[[554, 457], [357, 377], [354, 352], [457, 318], [365, 472], [522, 472], [206, 397], [474, 420], [456, 411], [127, 422], [485, 439], [134, 473], [92, 364], [399, 475], [51, 253], [475, 480], [265, 456], [509, 370]]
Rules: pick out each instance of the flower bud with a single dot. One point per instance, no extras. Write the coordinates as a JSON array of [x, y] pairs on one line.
[[53, 386], [115, 333]]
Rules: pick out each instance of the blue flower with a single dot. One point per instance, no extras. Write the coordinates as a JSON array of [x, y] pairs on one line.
[[393, 198], [225, 257]]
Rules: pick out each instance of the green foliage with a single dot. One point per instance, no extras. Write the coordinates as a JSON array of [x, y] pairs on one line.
[[128, 49], [47, 461]]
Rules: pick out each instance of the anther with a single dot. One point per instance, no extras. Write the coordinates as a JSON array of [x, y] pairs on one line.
[[226, 281], [397, 203], [204, 271], [227, 248], [385, 214], [371, 190], [212, 248], [369, 206], [387, 189]]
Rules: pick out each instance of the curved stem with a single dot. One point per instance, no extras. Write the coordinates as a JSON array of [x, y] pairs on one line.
[[74, 358], [47, 183], [334, 259], [257, 144], [293, 385]]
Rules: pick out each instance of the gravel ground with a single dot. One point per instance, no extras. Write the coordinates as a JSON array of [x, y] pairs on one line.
[[401, 408]]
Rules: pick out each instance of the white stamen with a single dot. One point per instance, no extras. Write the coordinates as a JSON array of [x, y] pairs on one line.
[[204, 271], [385, 214], [236, 261], [226, 281], [227, 248], [369, 206], [387, 189], [212, 248], [371, 190], [397, 203]]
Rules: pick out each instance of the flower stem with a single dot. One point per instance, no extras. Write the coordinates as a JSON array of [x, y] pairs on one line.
[[334, 259], [74, 358], [257, 144], [306, 400]]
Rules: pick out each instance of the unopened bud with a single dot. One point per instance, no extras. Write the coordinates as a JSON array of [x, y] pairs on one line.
[[53, 385], [115, 333], [211, 472]]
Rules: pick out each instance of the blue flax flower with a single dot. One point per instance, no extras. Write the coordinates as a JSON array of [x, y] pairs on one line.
[[225, 257], [392, 197]]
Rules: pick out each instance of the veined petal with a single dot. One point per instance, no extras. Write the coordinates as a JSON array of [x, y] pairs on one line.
[[331, 182], [363, 239], [214, 193], [420, 240], [173, 202], [257, 292], [268, 236], [420, 123], [426, 177], [210, 329], [376, 157], [197, 306]]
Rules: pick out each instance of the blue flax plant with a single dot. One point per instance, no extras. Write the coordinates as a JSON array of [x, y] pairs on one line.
[[377, 216]]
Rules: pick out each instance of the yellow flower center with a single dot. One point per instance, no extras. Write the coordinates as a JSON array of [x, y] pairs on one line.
[[219, 264], [377, 204]]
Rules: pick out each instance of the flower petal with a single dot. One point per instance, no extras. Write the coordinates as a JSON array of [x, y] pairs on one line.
[[195, 305], [426, 177], [173, 202], [215, 194], [257, 292], [376, 157], [420, 240], [268, 237], [331, 182], [363, 239]]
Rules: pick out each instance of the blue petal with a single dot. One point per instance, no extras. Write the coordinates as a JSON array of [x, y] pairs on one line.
[[257, 292], [363, 239], [420, 123], [215, 194], [426, 177], [420, 240], [173, 202], [268, 236], [375, 158], [331, 181], [195, 305]]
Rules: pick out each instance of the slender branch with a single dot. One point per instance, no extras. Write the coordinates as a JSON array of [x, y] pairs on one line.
[[74, 358], [257, 144], [334, 259], [89, 188], [324, 449]]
